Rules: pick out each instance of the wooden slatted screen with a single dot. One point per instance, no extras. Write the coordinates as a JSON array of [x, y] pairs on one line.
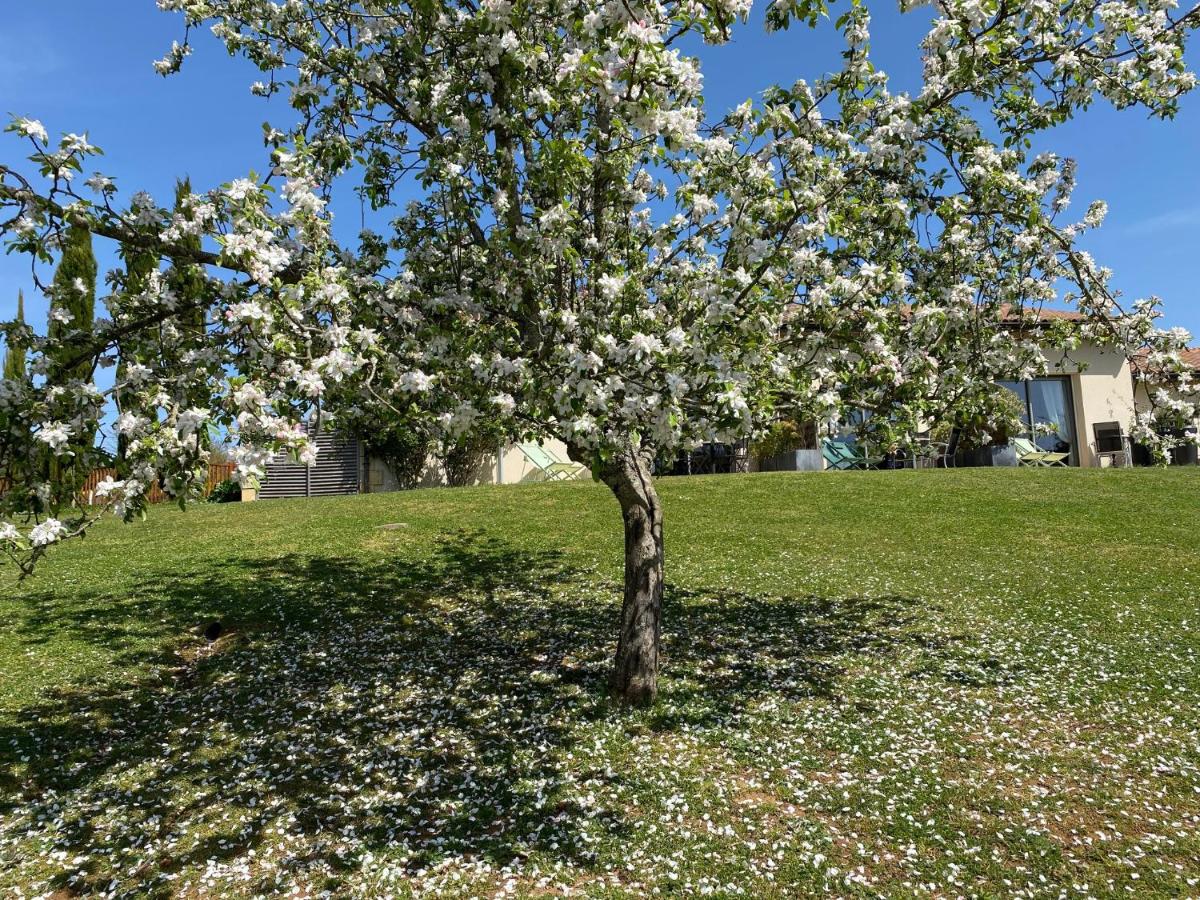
[[338, 470]]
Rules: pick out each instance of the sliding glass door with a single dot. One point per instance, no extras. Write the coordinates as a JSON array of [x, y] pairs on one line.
[[1049, 414]]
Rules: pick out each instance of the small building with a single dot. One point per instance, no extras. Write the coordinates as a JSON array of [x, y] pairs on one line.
[[1092, 386]]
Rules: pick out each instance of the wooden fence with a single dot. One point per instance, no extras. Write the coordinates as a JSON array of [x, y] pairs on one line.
[[217, 473]]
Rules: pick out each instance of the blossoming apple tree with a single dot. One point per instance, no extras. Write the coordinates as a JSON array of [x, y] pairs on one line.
[[578, 248]]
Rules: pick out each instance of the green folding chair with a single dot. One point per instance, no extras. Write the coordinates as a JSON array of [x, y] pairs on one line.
[[833, 459], [1030, 454], [548, 464], [841, 455]]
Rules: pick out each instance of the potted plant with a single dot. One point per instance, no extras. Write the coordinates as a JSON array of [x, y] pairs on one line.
[[789, 447], [985, 425]]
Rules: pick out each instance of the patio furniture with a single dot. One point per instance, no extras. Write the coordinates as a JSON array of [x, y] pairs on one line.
[[1030, 454], [832, 460], [1112, 445], [948, 452], [548, 464], [712, 459], [840, 455], [739, 462], [926, 453]]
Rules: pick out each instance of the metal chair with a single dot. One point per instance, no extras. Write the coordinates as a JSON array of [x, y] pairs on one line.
[[550, 465], [948, 452], [1112, 444], [739, 462]]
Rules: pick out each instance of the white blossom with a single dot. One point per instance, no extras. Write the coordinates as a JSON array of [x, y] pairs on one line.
[[47, 532], [55, 435]]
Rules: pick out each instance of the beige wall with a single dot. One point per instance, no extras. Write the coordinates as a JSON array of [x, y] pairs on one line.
[[513, 468], [507, 467], [1101, 390], [1141, 398]]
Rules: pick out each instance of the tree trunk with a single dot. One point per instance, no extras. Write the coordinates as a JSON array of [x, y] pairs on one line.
[[634, 678]]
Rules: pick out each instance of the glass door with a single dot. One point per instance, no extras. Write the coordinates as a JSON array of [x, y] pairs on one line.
[[1049, 414], [1050, 408]]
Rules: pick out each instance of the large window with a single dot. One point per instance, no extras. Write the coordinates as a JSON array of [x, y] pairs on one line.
[[1048, 414]]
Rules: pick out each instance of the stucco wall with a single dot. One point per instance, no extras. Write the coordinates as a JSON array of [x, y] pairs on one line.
[[1141, 398], [508, 467], [1101, 391], [514, 468]]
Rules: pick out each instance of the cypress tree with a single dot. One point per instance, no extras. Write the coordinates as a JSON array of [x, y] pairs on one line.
[[139, 265], [74, 292], [14, 353], [187, 279], [14, 432]]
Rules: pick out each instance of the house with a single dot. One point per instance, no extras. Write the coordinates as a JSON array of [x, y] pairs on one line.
[[1090, 386]]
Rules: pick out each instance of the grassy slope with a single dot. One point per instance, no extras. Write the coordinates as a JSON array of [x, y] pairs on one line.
[[899, 682]]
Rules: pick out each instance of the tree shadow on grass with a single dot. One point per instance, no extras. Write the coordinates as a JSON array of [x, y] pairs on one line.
[[423, 711]]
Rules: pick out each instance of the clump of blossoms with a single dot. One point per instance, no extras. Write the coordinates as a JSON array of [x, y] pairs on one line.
[[590, 256]]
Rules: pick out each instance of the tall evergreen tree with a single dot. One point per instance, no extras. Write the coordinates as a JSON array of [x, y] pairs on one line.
[[73, 309], [14, 354], [186, 283], [139, 265], [73, 303], [186, 280]]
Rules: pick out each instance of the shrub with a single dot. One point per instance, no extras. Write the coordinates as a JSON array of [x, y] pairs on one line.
[[785, 436], [992, 416], [228, 491], [403, 449], [462, 459]]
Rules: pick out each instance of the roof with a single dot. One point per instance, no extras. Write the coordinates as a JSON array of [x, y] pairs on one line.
[[1030, 315], [1009, 315], [1190, 357]]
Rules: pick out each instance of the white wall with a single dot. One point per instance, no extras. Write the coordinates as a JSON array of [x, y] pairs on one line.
[[1141, 398], [1101, 390], [513, 468], [509, 466]]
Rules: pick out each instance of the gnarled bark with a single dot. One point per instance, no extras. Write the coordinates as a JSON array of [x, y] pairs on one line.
[[634, 678]]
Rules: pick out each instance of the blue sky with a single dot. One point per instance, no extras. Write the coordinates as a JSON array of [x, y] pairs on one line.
[[81, 65]]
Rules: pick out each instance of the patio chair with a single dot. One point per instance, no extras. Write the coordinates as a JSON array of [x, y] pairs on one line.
[[1030, 454], [840, 455], [548, 464], [947, 452], [1112, 444], [832, 459], [739, 462], [711, 459]]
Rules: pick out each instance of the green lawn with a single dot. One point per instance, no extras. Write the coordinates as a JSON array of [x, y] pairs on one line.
[[901, 683]]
